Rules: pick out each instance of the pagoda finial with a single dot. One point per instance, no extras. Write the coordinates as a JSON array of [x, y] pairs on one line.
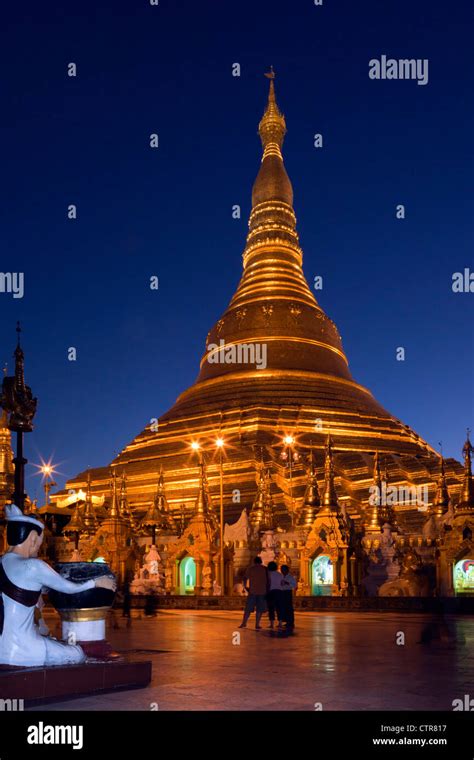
[[261, 513], [467, 494], [329, 499], [123, 492], [375, 513], [202, 506], [272, 127], [441, 499], [90, 519], [311, 500], [114, 510]]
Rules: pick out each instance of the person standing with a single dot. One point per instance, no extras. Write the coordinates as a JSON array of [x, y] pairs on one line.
[[287, 585], [275, 579], [256, 584]]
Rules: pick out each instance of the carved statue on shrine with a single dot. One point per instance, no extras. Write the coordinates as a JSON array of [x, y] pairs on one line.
[[206, 580], [412, 580]]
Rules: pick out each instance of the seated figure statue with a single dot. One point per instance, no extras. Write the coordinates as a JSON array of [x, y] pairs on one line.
[[22, 578]]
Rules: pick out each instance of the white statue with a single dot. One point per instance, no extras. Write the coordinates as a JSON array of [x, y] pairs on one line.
[[149, 578], [22, 579], [238, 531], [269, 546]]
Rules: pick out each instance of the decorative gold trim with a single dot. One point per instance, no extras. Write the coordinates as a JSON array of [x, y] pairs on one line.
[[267, 339], [84, 615], [297, 373]]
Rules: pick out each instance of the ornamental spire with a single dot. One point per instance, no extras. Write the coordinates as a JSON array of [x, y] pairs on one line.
[[90, 519], [274, 308], [114, 510], [272, 127], [125, 511], [330, 502], [467, 493], [273, 183], [261, 513], [202, 506], [441, 499], [161, 504], [374, 516], [312, 500]]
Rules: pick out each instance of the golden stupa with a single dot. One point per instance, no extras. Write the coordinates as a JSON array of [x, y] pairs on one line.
[[274, 366]]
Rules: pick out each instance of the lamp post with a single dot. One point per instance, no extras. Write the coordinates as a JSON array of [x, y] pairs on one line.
[[220, 447], [47, 472]]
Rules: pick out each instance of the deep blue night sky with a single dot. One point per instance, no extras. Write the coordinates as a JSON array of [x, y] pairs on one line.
[[167, 212]]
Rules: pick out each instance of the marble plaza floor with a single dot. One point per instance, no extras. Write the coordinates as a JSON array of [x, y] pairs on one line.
[[345, 661]]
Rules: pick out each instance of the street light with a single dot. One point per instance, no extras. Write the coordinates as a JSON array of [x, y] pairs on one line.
[[220, 443], [48, 471]]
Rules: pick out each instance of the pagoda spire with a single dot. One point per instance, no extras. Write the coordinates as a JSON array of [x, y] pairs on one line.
[[114, 510], [202, 505], [375, 513], [272, 127], [312, 500], [90, 519], [123, 495], [329, 500], [466, 500], [75, 528], [261, 513], [441, 499], [274, 305], [153, 518], [166, 520]]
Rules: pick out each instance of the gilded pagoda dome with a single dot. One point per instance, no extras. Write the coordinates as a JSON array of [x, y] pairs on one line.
[[275, 346]]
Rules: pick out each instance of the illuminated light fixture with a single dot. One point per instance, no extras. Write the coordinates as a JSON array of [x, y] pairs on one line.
[[220, 443], [195, 445], [46, 469], [288, 440]]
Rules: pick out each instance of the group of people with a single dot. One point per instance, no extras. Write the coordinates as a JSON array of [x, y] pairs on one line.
[[269, 589]]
